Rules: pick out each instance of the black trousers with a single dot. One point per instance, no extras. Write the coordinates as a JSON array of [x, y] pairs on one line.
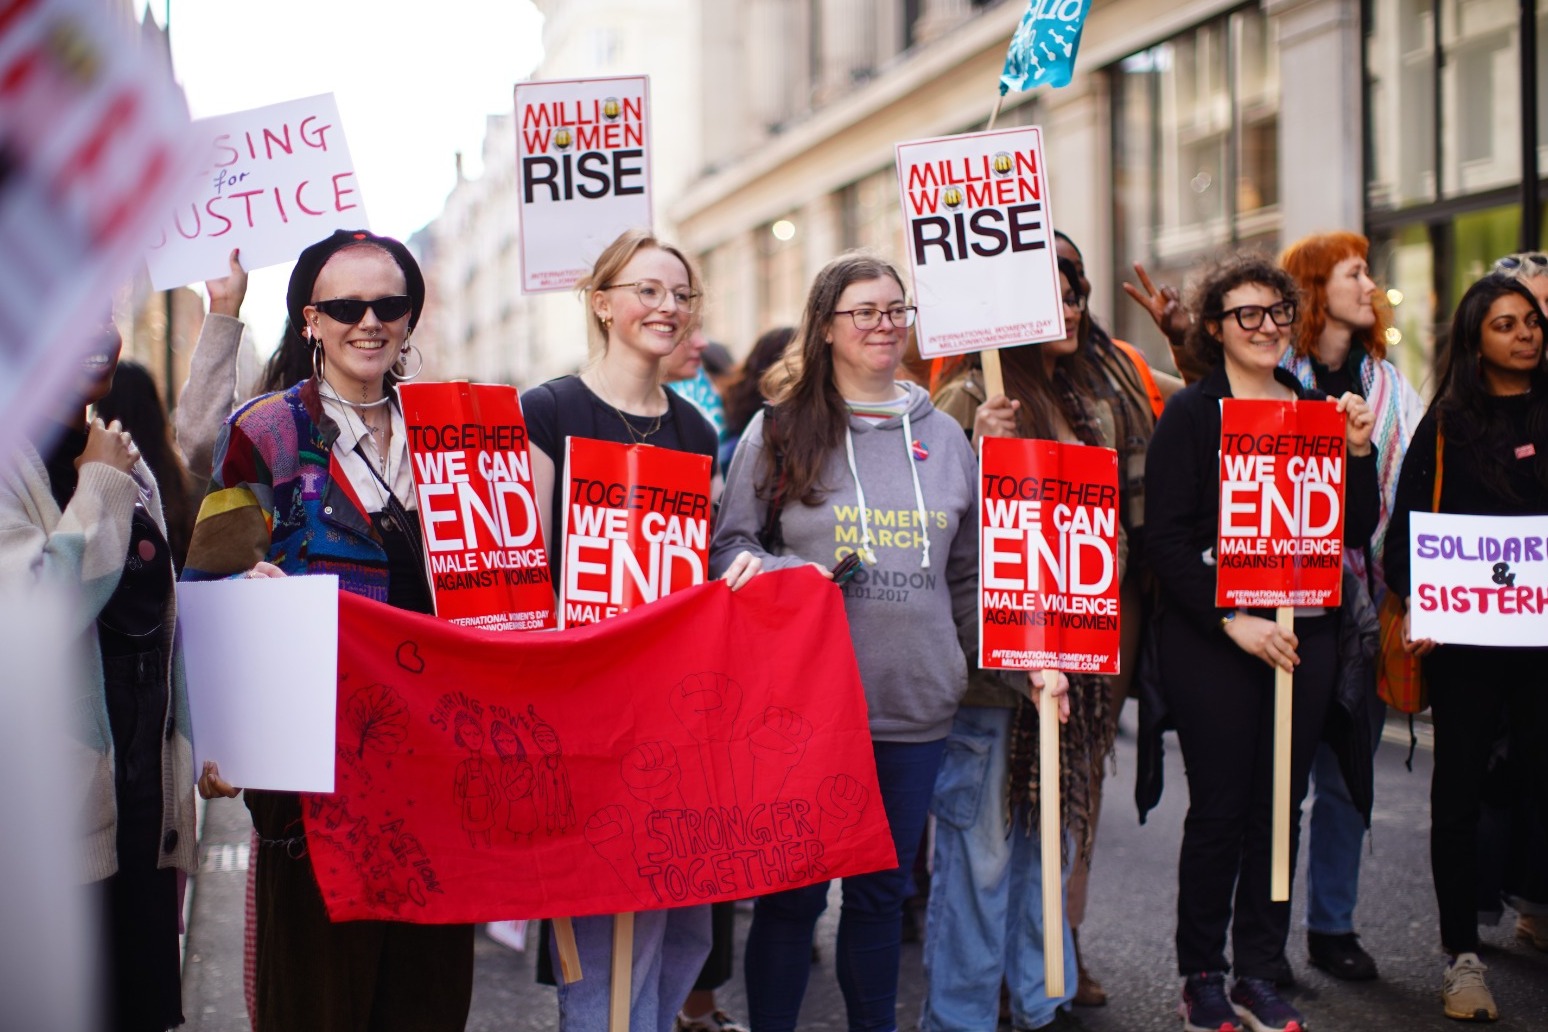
[[1471, 691], [1222, 702]]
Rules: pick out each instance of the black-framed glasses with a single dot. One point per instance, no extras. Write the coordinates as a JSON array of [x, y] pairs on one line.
[[1512, 262], [653, 294], [900, 316], [1250, 317], [350, 310]]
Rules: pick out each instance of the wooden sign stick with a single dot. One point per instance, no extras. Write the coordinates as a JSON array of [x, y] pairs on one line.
[[1279, 855], [623, 969], [569, 956], [1052, 836]]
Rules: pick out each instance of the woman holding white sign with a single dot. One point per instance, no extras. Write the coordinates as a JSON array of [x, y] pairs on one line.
[[1217, 665], [849, 465], [315, 479], [642, 299], [1482, 449], [983, 903]]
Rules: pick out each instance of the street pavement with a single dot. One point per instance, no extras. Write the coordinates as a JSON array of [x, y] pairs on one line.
[[1127, 937]]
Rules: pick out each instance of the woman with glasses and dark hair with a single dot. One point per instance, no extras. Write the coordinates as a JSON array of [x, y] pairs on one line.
[[1486, 438], [1217, 665], [849, 460], [316, 479], [985, 918], [642, 301]]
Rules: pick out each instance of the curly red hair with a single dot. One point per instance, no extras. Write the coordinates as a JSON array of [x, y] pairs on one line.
[[1311, 261]]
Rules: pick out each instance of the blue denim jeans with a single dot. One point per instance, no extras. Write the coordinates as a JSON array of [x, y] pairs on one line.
[[779, 946], [669, 949], [1335, 835], [985, 920]]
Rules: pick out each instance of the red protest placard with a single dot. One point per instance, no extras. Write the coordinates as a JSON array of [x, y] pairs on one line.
[[636, 764], [1282, 471], [635, 527], [1048, 557], [477, 516]]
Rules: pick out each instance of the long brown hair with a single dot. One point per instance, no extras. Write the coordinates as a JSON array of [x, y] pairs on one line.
[[809, 413], [1311, 261]]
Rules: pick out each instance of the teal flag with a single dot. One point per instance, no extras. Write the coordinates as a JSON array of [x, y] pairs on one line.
[[1042, 52]]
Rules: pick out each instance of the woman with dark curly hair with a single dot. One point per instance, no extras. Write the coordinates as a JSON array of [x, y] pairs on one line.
[[1216, 665], [1486, 438]]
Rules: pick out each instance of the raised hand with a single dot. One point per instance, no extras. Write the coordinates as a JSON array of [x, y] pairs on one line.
[[228, 292], [841, 802], [110, 445], [651, 772]]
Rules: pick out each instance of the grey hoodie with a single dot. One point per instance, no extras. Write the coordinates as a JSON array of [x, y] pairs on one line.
[[912, 615]]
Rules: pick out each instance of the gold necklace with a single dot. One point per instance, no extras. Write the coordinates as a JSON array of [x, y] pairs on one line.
[[635, 436]]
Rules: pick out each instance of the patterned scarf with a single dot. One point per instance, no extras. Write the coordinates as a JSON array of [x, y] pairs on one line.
[[1384, 393], [1085, 746]]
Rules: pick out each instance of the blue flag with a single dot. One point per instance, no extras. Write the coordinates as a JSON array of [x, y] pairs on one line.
[[1042, 52]]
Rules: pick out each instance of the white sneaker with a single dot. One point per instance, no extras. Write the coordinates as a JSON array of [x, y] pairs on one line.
[[1466, 996]]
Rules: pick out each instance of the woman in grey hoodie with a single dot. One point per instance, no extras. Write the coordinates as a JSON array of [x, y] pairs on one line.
[[849, 460]]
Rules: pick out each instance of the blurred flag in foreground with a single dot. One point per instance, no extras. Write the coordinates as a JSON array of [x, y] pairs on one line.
[[1042, 52], [95, 148]]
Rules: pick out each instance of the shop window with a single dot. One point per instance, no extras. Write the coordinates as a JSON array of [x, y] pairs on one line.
[[1195, 150]]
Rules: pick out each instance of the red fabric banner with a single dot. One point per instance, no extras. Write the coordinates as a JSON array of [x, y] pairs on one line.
[[477, 514], [682, 753], [1282, 472], [636, 527], [1048, 556]]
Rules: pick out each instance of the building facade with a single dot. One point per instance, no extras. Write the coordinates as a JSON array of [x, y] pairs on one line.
[[1189, 129]]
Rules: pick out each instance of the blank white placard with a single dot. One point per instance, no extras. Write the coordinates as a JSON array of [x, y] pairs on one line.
[[262, 657]]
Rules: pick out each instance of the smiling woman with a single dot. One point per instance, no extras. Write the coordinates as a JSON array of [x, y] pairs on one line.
[[316, 480]]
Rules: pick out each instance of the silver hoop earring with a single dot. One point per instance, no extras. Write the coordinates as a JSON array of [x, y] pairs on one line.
[[406, 376], [317, 360]]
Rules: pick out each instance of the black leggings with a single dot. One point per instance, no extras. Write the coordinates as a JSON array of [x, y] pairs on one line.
[[1471, 690], [1222, 702]]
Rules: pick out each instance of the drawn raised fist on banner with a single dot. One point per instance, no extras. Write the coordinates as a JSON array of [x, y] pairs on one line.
[[707, 704], [778, 741], [841, 801], [650, 770]]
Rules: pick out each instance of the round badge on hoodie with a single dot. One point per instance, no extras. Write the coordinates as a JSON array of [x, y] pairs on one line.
[[920, 451]]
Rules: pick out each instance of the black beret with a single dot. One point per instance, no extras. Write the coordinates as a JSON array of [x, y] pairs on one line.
[[304, 276]]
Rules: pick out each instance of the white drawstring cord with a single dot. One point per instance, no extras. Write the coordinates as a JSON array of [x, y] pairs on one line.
[[866, 555], [913, 469]]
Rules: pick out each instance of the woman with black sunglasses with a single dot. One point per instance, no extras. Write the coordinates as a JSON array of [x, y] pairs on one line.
[[1216, 665], [316, 479]]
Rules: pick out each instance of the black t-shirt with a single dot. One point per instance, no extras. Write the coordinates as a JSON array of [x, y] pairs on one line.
[[563, 408]]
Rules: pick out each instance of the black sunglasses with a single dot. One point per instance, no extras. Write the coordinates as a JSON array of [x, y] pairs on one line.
[[349, 310]]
